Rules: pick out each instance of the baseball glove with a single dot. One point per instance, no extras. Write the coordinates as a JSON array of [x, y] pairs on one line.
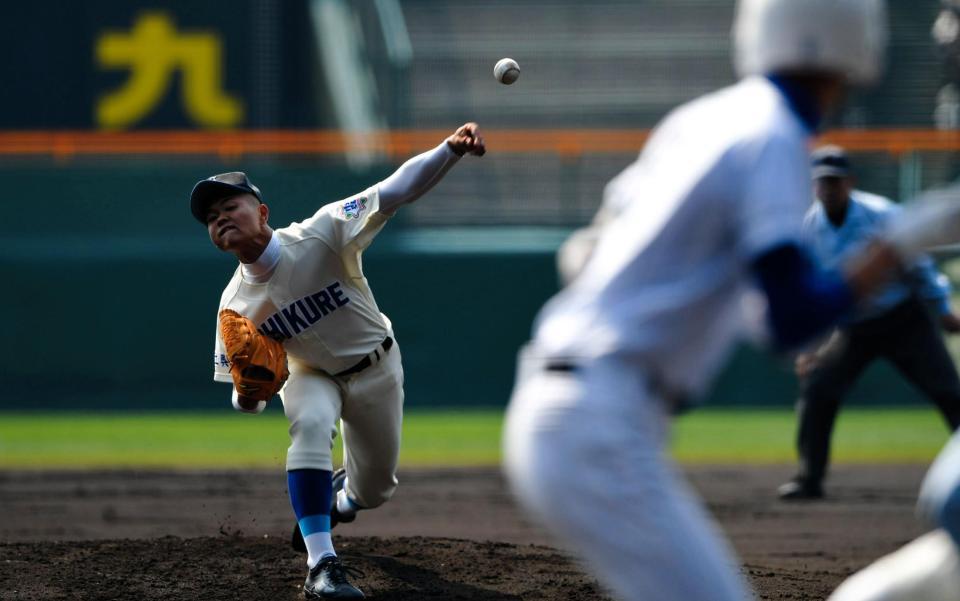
[[258, 364]]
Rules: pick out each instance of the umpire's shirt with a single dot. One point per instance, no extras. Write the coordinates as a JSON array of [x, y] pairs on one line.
[[867, 216]]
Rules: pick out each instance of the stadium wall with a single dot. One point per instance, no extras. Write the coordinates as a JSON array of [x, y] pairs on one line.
[[113, 290], [111, 287]]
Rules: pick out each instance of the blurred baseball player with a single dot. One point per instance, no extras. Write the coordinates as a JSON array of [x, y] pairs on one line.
[[304, 286], [927, 569], [712, 208], [894, 323]]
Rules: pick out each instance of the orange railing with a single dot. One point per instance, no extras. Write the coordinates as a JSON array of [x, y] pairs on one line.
[[400, 143]]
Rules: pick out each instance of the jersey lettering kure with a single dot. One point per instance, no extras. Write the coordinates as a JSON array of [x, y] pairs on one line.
[[304, 312]]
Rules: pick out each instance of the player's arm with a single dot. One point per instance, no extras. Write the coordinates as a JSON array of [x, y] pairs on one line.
[[804, 300], [577, 249], [247, 404], [925, 223], [933, 287], [222, 374], [418, 175]]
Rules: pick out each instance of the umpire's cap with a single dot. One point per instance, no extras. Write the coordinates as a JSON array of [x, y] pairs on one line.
[[217, 187], [830, 161]]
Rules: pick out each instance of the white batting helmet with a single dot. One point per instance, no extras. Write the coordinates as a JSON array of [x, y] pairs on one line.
[[839, 36]]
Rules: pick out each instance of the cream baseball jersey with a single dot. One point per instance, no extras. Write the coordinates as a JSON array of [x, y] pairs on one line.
[[316, 301]]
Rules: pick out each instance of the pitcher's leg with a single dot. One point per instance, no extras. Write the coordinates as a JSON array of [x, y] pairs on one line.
[[372, 420], [311, 403]]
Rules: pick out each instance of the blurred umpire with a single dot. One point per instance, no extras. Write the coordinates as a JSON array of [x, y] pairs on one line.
[[900, 322], [927, 568]]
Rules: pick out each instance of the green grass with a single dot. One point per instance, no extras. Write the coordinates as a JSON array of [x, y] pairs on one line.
[[884, 435], [220, 440], [430, 438]]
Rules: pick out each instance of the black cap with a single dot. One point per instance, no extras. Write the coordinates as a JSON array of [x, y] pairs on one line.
[[217, 187], [830, 161]]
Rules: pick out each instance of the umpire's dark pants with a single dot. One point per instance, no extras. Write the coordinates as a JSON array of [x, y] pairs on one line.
[[906, 336]]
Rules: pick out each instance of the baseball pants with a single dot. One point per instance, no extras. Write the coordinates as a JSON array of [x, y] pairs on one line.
[[908, 338], [940, 493], [369, 405], [585, 455]]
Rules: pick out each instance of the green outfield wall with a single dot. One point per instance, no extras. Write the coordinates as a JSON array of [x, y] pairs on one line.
[[111, 288], [111, 292]]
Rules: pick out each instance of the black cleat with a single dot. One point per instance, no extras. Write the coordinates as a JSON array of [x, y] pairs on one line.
[[328, 580], [800, 490], [296, 537]]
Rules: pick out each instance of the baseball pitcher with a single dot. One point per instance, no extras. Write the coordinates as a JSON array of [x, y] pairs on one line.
[[299, 317]]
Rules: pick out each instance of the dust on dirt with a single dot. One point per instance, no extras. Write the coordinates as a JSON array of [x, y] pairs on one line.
[[447, 534]]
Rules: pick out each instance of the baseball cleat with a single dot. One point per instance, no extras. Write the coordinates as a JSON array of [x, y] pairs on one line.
[[927, 569], [328, 580], [339, 478], [800, 490]]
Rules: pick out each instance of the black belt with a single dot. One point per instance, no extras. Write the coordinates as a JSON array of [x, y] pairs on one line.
[[366, 361], [677, 401]]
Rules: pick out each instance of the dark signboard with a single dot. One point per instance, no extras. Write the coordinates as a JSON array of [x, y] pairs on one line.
[[114, 64]]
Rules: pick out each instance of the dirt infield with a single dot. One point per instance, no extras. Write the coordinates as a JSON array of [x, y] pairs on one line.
[[447, 534]]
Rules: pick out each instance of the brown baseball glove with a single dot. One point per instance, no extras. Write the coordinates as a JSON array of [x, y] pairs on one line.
[[258, 364]]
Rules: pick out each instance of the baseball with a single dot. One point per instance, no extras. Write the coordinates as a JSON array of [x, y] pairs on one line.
[[506, 71]]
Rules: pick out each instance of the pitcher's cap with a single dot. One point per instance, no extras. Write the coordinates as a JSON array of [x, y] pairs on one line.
[[217, 187]]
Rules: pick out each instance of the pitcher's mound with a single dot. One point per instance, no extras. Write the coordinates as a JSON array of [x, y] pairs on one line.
[[233, 567]]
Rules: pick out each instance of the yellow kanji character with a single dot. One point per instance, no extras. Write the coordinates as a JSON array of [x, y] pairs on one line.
[[153, 51]]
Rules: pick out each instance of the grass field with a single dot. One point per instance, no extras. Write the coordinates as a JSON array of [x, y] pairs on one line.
[[431, 438]]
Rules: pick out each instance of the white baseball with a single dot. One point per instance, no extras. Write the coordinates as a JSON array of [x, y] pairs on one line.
[[506, 71]]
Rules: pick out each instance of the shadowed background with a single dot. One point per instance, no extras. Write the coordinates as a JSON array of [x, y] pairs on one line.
[[112, 114]]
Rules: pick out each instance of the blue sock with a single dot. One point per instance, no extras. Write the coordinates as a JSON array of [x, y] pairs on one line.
[[310, 496]]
